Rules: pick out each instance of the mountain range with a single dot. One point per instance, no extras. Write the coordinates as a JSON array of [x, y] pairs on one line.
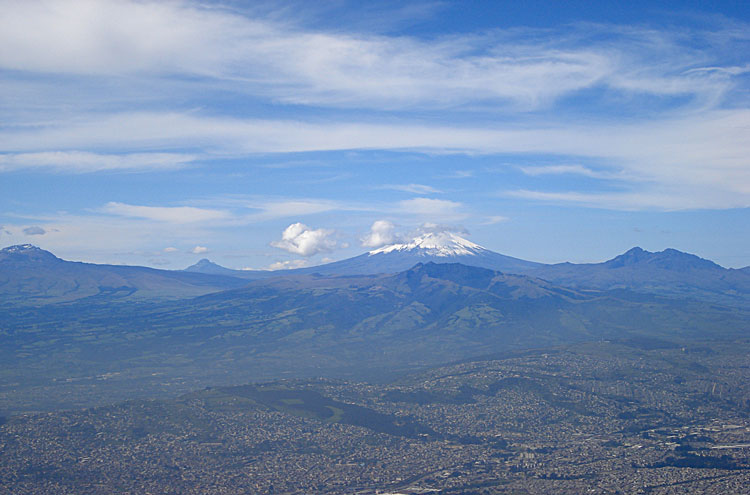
[[107, 348], [29, 275], [33, 276], [668, 272]]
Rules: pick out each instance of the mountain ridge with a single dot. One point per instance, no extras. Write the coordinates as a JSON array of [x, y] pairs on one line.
[[38, 275], [30, 275], [668, 272], [668, 258]]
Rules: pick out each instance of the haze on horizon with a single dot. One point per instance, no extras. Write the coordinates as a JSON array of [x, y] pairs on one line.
[[159, 133]]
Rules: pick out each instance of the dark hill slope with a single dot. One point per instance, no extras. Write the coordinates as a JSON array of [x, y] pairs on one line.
[[310, 325]]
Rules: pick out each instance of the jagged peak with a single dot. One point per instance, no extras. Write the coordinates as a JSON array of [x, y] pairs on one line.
[[20, 248], [27, 252], [435, 244]]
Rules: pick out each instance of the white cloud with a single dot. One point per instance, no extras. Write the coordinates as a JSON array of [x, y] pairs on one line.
[[686, 122], [290, 208], [429, 207], [709, 148], [654, 198], [199, 250], [706, 148], [292, 64], [562, 170], [80, 161], [381, 233], [288, 265], [436, 228], [495, 219], [107, 37], [95, 238], [299, 239], [34, 230], [170, 250], [171, 214], [412, 188]]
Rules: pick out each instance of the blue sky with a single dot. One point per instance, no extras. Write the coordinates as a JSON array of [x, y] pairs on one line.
[[158, 133]]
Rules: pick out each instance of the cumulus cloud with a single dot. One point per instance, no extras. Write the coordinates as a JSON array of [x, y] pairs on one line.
[[384, 232], [34, 230], [288, 265], [170, 249], [381, 233], [298, 238], [199, 250]]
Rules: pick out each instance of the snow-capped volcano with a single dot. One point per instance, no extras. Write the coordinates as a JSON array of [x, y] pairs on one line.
[[436, 247], [439, 244]]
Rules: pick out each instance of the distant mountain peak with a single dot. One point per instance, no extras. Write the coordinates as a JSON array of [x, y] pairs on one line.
[[26, 252], [668, 259], [441, 244], [205, 262], [207, 266], [20, 248]]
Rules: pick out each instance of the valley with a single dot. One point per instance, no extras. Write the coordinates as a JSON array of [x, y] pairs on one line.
[[615, 418]]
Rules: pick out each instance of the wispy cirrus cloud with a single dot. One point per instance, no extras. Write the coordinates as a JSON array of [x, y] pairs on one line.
[[286, 62], [710, 149], [147, 67], [653, 198], [433, 209], [261, 209], [412, 188], [495, 219], [541, 170], [170, 214], [82, 161]]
